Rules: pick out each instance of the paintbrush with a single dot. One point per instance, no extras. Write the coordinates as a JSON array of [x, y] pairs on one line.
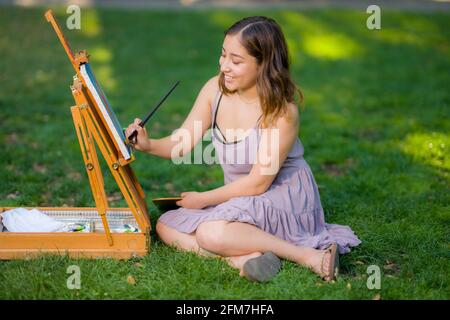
[[132, 139]]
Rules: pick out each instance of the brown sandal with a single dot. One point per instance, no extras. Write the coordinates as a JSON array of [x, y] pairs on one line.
[[333, 268]]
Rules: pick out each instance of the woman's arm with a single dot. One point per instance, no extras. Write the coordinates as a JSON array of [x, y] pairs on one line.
[[245, 186], [176, 145], [274, 147], [162, 147]]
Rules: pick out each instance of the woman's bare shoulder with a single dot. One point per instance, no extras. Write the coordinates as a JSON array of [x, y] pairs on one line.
[[210, 89], [293, 109], [291, 116], [213, 85]]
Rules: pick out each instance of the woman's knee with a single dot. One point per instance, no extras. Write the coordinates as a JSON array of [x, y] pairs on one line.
[[174, 238], [210, 235], [165, 233], [161, 229]]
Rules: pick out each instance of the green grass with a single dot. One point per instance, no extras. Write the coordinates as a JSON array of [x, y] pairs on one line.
[[375, 130]]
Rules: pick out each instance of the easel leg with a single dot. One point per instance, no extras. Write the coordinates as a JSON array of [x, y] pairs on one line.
[[93, 168], [124, 176]]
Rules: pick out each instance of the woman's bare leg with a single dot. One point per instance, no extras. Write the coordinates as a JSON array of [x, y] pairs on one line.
[[236, 238], [188, 242], [179, 240]]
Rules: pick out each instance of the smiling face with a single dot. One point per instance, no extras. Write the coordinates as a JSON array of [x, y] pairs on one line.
[[240, 70], [255, 58]]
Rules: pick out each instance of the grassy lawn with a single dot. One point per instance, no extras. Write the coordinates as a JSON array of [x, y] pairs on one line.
[[375, 130]]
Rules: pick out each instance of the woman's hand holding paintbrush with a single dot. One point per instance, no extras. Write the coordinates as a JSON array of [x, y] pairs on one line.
[[136, 133], [140, 139]]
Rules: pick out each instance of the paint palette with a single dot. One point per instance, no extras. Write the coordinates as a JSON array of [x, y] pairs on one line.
[[166, 204]]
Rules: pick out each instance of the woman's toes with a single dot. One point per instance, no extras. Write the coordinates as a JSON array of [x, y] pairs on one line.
[[320, 262]]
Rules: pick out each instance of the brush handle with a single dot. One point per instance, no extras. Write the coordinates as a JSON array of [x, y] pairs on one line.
[[133, 136]]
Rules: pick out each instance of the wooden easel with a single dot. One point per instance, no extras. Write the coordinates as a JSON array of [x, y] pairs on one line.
[[92, 129], [91, 126]]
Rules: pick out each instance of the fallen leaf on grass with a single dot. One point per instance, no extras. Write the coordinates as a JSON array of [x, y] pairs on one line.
[[390, 266], [376, 297], [39, 168], [131, 280], [14, 195], [12, 138]]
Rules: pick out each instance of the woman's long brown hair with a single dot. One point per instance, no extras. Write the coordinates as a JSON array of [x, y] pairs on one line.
[[263, 39]]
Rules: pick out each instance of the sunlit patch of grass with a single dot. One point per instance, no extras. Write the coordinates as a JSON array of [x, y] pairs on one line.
[[429, 148], [90, 23], [330, 46], [317, 39], [223, 19], [100, 54]]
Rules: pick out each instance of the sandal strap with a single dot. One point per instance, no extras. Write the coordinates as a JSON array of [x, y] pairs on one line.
[[323, 271]]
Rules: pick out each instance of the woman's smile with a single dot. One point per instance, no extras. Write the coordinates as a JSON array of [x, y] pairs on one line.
[[228, 78]]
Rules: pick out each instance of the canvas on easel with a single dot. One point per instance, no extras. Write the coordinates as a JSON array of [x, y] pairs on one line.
[[95, 125]]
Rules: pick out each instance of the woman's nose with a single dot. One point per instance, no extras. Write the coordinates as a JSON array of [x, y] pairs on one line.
[[224, 67]]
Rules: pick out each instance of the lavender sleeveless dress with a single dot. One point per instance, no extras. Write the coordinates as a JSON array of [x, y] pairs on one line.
[[290, 209]]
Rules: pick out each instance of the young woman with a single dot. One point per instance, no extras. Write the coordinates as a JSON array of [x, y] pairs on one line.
[[269, 206]]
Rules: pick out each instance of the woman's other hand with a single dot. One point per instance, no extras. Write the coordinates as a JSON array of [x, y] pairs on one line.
[[192, 200]]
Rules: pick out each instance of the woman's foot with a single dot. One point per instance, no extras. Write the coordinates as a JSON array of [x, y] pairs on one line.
[[238, 262], [325, 263]]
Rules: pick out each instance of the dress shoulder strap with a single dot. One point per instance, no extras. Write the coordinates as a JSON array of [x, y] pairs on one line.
[[216, 108], [214, 105]]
